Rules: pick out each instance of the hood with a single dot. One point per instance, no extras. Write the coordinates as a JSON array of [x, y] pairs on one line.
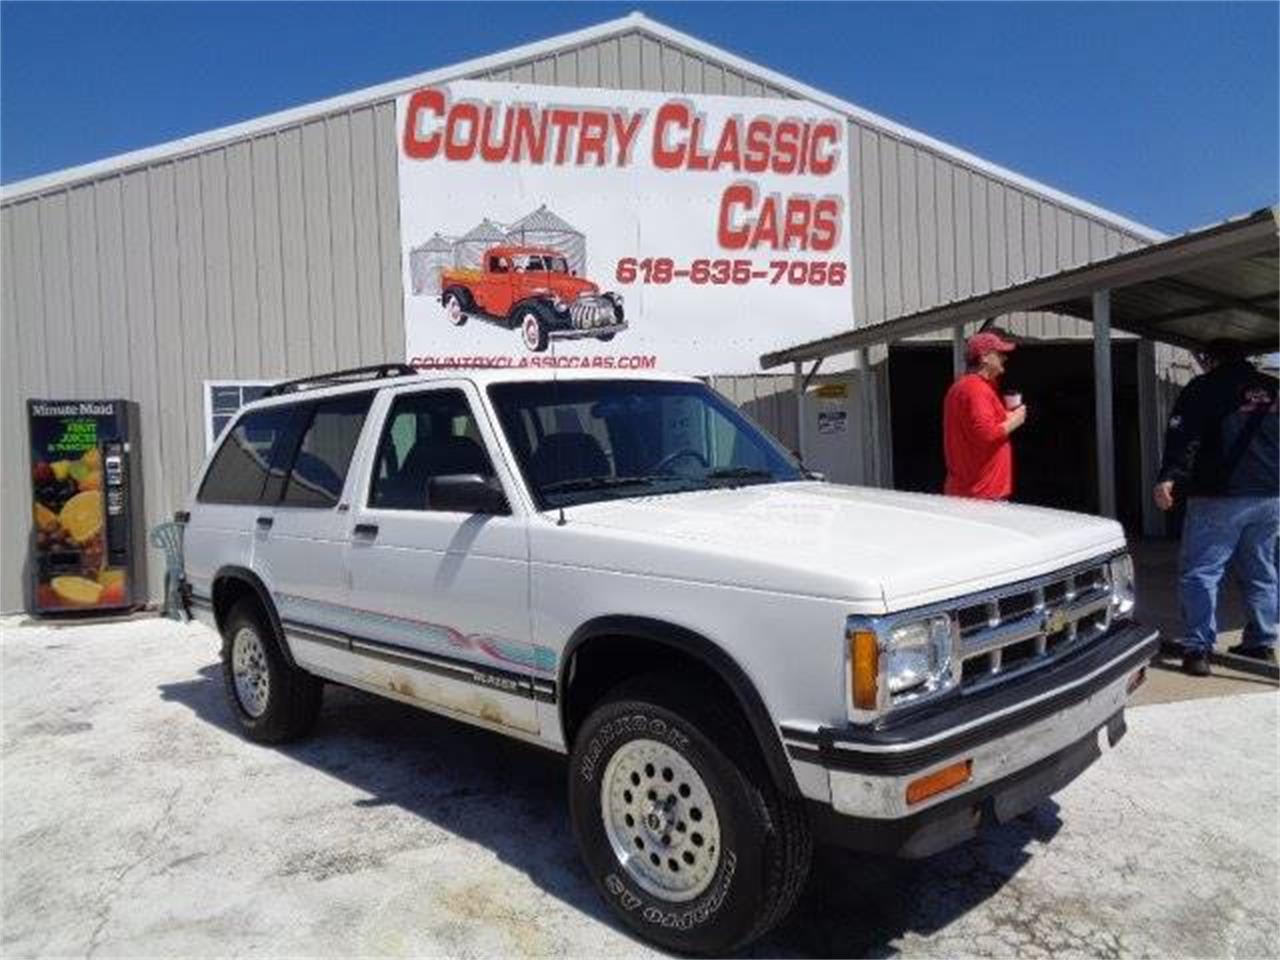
[[855, 543], [569, 287]]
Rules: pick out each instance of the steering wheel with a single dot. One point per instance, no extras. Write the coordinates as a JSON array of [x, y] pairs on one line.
[[663, 465]]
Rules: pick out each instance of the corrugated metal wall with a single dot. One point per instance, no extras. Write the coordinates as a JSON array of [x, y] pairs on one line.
[[279, 256], [270, 257]]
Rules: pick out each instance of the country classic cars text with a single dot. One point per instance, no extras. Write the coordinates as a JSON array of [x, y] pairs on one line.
[[677, 138]]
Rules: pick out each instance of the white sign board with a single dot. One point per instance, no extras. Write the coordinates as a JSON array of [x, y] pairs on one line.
[[619, 229]]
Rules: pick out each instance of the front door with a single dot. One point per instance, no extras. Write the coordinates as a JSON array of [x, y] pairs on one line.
[[443, 596]]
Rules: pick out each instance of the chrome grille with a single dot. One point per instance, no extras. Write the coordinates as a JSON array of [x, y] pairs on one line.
[[589, 312], [1006, 633]]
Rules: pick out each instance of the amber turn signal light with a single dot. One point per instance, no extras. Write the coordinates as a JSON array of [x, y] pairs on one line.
[[939, 781], [864, 662]]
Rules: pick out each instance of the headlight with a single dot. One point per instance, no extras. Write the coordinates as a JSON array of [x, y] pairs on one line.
[[1123, 585], [918, 657], [558, 304], [896, 663]]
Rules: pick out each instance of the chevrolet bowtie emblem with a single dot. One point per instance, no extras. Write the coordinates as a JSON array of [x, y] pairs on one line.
[[1055, 621]]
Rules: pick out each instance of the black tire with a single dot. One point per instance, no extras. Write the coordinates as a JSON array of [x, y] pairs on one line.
[[606, 337], [533, 321], [765, 840], [292, 695]]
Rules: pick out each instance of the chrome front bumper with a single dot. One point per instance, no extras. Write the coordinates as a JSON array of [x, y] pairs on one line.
[[884, 796], [862, 772]]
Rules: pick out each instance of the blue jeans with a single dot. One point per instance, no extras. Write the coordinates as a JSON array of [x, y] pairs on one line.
[[1217, 531]]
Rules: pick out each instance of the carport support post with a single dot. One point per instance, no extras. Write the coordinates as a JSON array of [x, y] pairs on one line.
[[797, 387], [958, 366], [1104, 431]]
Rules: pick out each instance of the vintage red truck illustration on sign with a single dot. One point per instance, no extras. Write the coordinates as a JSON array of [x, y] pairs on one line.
[[533, 290]]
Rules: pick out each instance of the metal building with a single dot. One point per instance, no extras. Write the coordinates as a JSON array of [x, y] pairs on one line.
[[468, 249], [271, 249], [542, 228], [425, 263]]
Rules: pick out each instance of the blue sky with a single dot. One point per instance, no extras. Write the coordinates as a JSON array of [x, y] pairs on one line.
[[1166, 113]]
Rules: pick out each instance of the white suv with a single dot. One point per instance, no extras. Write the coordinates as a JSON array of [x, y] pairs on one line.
[[737, 657]]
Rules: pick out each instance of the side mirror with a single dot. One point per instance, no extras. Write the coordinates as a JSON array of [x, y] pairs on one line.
[[466, 493]]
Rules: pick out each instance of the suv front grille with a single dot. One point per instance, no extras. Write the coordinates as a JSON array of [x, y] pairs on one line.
[[1003, 634]]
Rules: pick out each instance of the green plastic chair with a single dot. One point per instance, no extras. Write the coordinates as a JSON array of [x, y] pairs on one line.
[[168, 537]]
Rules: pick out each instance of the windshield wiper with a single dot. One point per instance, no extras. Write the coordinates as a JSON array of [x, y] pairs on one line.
[[601, 483], [738, 473]]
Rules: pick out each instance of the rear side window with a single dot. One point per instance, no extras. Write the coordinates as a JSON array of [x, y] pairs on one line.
[[319, 467], [238, 473]]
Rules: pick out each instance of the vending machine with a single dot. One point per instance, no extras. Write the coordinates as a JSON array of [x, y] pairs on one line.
[[88, 542]]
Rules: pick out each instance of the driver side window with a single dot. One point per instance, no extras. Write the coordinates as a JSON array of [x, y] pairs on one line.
[[426, 435]]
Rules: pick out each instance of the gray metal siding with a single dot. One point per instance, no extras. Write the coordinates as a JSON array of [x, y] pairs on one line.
[[279, 254], [928, 230], [269, 257]]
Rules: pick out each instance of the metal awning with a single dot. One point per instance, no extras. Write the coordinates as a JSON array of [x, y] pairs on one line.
[[1216, 283]]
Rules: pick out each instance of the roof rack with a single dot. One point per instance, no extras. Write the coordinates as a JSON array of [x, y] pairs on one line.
[[378, 371]]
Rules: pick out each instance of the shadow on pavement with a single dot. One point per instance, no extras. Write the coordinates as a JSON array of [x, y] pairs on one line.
[[452, 775]]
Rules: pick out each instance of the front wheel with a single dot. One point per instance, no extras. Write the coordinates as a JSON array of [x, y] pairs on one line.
[[689, 843], [533, 329]]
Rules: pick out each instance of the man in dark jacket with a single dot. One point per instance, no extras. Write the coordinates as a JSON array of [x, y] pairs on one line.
[[1220, 452]]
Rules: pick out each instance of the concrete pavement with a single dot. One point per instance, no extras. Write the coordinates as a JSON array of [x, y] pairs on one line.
[[136, 821]]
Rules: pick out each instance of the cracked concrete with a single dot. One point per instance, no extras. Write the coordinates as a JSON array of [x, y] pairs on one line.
[[136, 821]]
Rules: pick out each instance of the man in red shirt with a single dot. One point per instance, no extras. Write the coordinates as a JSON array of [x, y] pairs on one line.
[[976, 424]]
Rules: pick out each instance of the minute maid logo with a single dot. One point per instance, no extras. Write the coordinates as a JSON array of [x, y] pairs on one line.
[[82, 408]]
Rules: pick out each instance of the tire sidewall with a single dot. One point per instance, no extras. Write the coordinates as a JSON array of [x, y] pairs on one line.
[[720, 916], [539, 342], [461, 300], [278, 677]]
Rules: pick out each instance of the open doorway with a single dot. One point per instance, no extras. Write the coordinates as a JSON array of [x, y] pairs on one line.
[[1054, 454]]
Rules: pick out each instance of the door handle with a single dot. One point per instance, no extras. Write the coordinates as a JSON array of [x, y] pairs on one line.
[[264, 523], [365, 531]]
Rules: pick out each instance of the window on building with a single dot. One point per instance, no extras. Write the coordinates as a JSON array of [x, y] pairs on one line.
[[223, 400]]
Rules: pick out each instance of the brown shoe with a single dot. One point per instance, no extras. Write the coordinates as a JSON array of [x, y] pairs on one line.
[[1195, 664]]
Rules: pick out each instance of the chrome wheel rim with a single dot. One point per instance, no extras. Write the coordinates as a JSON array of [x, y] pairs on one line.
[[530, 329], [249, 670], [453, 310], [660, 820]]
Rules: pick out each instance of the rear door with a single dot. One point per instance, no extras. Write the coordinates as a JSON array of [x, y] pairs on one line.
[[220, 528], [441, 597], [300, 538]]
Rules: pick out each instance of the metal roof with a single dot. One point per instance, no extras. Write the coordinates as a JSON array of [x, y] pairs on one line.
[[632, 22], [1219, 282]]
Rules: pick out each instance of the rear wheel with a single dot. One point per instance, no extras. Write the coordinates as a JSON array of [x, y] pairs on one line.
[[272, 700], [455, 306], [533, 327], [688, 841]]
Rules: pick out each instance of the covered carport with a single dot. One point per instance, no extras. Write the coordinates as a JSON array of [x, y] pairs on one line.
[[1217, 283]]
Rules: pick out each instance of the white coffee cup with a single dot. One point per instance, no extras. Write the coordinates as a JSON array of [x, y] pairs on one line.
[[1012, 401]]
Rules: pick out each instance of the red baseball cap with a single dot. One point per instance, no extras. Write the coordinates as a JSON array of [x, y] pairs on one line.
[[987, 341]]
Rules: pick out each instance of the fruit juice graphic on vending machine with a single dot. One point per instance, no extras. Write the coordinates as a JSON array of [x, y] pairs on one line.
[[86, 510]]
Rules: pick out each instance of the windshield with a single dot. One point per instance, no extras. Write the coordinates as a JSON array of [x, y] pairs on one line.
[[541, 262], [585, 440]]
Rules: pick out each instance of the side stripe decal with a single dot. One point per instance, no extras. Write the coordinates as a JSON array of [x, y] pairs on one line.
[[451, 667]]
